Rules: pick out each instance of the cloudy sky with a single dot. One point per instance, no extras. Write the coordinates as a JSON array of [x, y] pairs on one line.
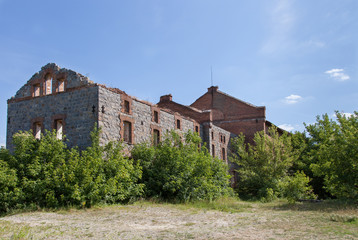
[[297, 58]]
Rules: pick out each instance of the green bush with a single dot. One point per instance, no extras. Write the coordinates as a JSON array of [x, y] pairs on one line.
[[8, 183], [262, 165], [46, 173], [296, 187], [177, 169], [335, 150]]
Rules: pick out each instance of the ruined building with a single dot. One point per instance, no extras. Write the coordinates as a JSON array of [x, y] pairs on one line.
[[61, 99]]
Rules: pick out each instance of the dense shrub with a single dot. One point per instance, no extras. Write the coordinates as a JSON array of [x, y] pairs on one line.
[[264, 166], [46, 173], [178, 169], [335, 153], [8, 183]]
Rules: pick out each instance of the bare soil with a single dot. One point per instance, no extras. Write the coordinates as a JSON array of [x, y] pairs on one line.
[[145, 220]]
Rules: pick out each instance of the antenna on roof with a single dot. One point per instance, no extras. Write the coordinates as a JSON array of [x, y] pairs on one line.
[[211, 68]]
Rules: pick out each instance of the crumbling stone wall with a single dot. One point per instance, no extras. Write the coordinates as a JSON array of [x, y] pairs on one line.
[[141, 115], [74, 107]]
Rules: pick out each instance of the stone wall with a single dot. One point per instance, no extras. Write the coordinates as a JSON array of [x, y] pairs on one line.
[[140, 115], [74, 107]]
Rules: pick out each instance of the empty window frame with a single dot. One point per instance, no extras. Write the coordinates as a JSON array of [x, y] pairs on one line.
[[156, 137], [126, 106], [37, 90], [212, 135], [197, 129], [127, 132], [37, 128], [156, 116], [61, 85], [223, 154], [48, 84], [178, 124], [213, 150], [58, 126]]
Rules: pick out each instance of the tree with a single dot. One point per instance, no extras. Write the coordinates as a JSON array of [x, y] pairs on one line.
[[264, 165], [335, 146], [177, 169]]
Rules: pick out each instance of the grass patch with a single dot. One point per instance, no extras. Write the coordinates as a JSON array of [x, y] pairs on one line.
[[343, 218], [227, 204], [9, 230]]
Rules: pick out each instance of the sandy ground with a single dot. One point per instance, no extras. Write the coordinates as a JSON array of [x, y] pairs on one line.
[[170, 222]]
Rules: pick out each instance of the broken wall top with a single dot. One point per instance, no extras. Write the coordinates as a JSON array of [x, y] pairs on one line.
[[72, 78]]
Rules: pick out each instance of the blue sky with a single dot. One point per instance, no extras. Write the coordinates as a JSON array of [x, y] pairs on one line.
[[297, 58]]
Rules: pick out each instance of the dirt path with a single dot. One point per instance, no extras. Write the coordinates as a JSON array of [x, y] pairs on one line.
[[167, 222]]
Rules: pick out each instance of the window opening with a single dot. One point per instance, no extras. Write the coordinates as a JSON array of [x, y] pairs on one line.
[[36, 90], [59, 129], [126, 106], [156, 137], [223, 154], [212, 135], [127, 132], [61, 85], [37, 130], [48, 84], [178, 124], [156, 117], [213, 150], [197, 129]]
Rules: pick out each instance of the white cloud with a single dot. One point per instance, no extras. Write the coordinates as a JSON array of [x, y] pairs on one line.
[[287, 127], [338, 74], [292, 99]]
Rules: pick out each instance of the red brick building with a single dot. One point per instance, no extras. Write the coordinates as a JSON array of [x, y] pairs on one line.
[[224, 111]]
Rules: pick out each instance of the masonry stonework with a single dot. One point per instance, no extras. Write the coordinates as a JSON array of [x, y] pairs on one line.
[[59, 98]]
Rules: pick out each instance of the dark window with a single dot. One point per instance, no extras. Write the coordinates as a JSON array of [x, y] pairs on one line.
[[223, 154], [156, 117], [224, 139], [156, 137], [178, 124], [127, 133], [126, 106], [212, 135], [197, 129], [213, 150], [221, 138]]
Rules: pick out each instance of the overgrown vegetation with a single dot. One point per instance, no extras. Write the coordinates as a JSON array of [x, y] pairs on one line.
[[323, 159], [179, 169], [264, 167], [45, 173]]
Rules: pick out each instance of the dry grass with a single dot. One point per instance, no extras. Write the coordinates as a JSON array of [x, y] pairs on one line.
[[223, 219]]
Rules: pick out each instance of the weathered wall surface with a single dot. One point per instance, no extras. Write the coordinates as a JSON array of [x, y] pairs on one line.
[[72, 79], [75, 107], [141, 116]]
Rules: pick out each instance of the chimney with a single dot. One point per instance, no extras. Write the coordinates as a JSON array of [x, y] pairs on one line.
[[213, 89], [166, 98]]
